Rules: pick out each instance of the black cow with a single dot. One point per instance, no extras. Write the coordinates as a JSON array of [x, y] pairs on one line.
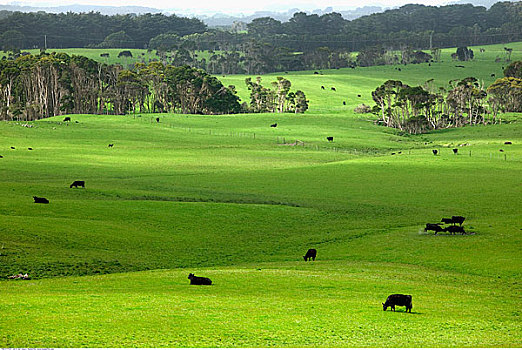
[[460, 66], [40, 200], [435, 152], [77, 183], [508, 143], [455, 150], [446, 221], [399, 69], [322, 87], [333, 89], [157, 120], [273, 125], [1, 156], [111, 144], [358, 95], [492, 75], [67, 119], [433, 227], [29, 148], [329, 138], [455, 229], [397, 299], [316, 72], [310, 254], [344, 103], [12, 147], [199, 281], [458, 219]]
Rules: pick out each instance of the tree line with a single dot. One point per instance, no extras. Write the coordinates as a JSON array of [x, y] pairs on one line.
[[418, 109], [45, 85], [414, 26]]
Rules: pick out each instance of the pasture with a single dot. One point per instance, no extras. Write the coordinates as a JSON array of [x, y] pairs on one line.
[[232, 199]]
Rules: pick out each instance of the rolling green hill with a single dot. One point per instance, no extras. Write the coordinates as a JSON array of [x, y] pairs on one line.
[[229, 198]]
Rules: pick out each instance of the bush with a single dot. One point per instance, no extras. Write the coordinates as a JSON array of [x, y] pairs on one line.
[[362, 108]]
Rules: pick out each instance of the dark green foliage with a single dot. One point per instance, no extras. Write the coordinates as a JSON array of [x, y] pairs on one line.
[[464, 54], [514, 70]]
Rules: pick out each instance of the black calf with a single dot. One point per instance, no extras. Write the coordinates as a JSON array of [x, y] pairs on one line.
[[78, 183], [310, 254], [195, 280]]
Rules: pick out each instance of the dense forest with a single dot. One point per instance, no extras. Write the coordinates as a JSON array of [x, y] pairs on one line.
[[34, 87], [418, 26]]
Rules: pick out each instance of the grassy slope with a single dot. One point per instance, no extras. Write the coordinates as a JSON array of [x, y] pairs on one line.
[[201, 194]]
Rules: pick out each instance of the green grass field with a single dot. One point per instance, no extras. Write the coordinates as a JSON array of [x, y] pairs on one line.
[[229, 198]]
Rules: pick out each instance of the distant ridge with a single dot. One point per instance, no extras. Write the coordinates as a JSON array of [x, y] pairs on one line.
[[105, 10]]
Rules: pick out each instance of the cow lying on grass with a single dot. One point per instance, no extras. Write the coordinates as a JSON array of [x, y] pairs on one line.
[[40, 200], [20, 276], [397, 299], [199, 280], [433, 227]]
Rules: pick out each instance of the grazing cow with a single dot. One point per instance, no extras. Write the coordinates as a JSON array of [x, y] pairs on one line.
[[111, 144], [455, 150], [393, 153], [75, 184], [400, 152], [358, 95], [397, 299], [344, 103], [316, 72], [273, 125], [322, 87], [157, 120], [333, 89], [435, 152], [29, 148], [329, 138], [1, 156], [429, 64], [67, 119], [12, 147], [310, 254], [199, 281], [508, 143], [399, 69], [458, 219], [455, 229], [492, 75], [40, 200], [433, 227]]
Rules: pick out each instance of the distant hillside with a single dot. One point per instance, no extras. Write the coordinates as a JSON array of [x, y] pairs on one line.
[[485, 3], [105, 10], [222, 19]]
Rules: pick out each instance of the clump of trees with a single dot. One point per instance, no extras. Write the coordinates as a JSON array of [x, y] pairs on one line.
[[278, 100], [34, 87], [418, 109]]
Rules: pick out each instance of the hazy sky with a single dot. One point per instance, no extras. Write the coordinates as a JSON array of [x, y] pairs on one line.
[[228, 6]]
